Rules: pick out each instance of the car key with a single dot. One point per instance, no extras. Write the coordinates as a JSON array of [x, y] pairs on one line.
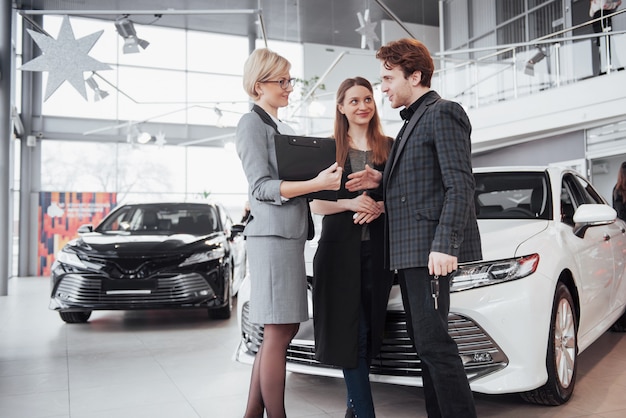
[[434, 287]]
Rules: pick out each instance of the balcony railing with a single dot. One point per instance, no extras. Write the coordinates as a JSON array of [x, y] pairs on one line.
[[506, 72]]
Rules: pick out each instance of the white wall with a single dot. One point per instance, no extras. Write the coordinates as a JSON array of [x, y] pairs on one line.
[[428, 35], [319, 60], [604, 174], [577, 106]]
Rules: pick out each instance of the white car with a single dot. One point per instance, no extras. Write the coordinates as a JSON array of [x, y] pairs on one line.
[[551, 283]]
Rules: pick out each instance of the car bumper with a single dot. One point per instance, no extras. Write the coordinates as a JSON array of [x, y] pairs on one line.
[[75, 291], [501, 332]]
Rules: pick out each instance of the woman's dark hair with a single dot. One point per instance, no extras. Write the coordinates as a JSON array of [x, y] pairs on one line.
[[410, 55], [621, 181], [378, 142]]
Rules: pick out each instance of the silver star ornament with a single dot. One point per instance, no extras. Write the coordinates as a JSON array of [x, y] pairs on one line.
[[160, 139], [65, 58], [368, 36]]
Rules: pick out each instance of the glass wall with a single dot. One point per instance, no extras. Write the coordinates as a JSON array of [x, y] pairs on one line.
[[182, 77], [145, 173]]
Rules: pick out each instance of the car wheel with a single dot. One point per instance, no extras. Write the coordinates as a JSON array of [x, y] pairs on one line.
[[562, 356], [75, 317], [225, 311]]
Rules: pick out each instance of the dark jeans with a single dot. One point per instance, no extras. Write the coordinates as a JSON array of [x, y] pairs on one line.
[[357, 379], [446, 389]]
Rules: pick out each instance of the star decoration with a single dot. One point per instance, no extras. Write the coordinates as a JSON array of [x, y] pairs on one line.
[[64, 58], [368, 36], [160, 139]]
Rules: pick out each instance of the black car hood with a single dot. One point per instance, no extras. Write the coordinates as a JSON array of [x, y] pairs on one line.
[[144, 244]]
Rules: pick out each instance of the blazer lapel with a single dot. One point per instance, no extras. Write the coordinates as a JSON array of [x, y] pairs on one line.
[[265, 117], [407, 132]]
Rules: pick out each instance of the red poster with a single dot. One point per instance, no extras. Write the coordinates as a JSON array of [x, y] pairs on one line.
[[60, 215]]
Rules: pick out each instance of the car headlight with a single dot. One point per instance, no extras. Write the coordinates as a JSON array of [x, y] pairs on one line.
[[204, 256], [481, 274], [69, 258]]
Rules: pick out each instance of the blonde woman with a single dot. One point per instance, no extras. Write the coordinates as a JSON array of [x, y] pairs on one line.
[[276, 231]]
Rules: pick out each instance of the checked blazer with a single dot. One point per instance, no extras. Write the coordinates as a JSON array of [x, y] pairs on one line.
[[428, 187]]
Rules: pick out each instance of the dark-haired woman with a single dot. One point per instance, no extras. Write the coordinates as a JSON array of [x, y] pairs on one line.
[[351, 286]]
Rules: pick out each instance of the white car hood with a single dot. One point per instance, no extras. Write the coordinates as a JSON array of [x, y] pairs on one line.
[[501, 237]]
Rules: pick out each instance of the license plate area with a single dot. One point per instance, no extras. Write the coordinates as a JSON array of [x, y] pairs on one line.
[[129, 286]]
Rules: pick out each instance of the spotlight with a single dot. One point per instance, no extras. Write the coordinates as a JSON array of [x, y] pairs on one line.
[[530, 65], [136, 136], [126, 29], [98, 94], [144, 138]]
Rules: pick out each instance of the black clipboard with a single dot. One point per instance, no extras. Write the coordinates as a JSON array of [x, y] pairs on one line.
[[303, 157]]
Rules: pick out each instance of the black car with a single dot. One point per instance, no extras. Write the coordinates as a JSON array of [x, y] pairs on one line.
[[151, 256]]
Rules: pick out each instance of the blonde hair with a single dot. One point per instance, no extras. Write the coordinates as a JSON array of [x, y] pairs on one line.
[[262, 65]]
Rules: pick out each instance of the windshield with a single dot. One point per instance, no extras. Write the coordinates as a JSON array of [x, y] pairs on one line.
[[166, 219], [523, 195]]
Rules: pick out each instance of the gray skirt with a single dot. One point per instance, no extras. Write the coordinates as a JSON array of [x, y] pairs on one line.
[[278, 292]]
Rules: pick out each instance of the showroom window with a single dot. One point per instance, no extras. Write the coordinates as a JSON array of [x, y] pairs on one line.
[[145, 173], [182, 77]]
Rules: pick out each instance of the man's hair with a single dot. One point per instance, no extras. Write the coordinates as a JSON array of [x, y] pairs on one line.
[[410, 55]]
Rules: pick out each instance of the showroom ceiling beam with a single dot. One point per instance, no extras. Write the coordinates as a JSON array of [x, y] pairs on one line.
[[155, 12]]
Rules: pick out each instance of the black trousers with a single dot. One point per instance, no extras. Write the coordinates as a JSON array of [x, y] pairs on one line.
[[446, 389], [601, 24]]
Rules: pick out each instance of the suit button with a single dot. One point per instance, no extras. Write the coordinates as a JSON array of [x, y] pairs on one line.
[[403, 199]]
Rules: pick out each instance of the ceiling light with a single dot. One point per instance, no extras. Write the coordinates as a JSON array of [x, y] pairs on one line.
[[126, 29], [530, 65], [136, 136], [98, 94], [144, 138]]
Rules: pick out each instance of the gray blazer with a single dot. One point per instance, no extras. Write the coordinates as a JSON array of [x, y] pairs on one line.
[[269, 214], [429, 187]]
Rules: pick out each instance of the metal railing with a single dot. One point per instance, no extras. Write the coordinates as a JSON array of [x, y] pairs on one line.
[[505, 72]]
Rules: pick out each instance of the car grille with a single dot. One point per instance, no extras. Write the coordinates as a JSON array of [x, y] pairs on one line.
[[171, 288], [397, 357], [132, 267]]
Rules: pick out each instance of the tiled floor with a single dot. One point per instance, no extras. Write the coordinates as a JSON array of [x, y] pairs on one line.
[[178, 364]]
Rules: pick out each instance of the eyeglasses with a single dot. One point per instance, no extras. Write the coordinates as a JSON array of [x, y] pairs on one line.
[[283, 82]]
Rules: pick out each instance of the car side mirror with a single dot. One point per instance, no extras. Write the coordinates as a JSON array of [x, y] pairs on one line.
[[236, 229], [589, 215], [83, 229]]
